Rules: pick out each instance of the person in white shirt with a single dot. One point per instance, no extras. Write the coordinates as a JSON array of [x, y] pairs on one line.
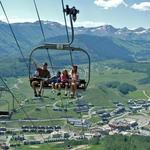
[[74, 80]]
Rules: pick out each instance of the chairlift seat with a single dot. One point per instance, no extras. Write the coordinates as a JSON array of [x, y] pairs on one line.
[[80, 85], [5, 114], [60, 47]]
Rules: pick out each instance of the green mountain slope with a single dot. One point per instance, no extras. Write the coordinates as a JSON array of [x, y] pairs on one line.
[[29, 35]]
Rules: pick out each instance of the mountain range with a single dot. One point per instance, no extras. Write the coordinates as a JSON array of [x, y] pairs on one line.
[[122, 33], [32, 30], [103, 42]]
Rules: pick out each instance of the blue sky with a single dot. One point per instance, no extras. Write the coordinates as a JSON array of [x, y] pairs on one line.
[[119, 13]]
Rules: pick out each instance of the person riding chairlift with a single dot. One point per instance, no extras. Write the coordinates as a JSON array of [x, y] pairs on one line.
[[55, 81], [41, 77], [64, 81], [74, 80]]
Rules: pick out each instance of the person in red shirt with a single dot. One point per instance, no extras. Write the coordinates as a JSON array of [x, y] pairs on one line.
[[64, 81]]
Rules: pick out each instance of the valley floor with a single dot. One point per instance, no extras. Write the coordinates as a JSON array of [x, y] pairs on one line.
[[94, 114]]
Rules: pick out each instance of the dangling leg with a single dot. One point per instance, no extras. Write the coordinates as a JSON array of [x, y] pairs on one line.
[[59, 88], [73, 89], [34, 83], [41, 87], [53, 87], [66, 88]]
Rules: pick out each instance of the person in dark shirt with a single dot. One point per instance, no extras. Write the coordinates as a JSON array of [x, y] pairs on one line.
[[41, 77], [55, 80]]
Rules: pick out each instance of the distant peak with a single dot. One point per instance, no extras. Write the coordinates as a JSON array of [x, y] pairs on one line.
[[124, 29], [2, 22], [49, 22], [139, 29], [106, 28]]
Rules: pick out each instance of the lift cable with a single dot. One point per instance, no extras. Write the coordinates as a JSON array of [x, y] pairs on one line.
[[42, 30], [12, 31], [72, 13], [67, 32]]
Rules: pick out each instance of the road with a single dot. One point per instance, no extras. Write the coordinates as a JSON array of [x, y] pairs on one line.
[[89, 116], [16, 85], [123, 115], [146, 95], [38, 120], [8, 140], [70, 101], [81, 147], [140, 61]]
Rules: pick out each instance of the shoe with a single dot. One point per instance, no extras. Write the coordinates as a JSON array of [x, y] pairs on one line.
[[66, 94], [58, 93], [71, 96], [35, 94], [39, 95]]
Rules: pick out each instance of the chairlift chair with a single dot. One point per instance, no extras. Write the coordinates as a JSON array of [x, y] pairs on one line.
[[83, 83]]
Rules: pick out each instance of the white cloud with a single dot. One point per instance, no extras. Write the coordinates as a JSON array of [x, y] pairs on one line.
[[17, 19], [106, 4], [144, 6]]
